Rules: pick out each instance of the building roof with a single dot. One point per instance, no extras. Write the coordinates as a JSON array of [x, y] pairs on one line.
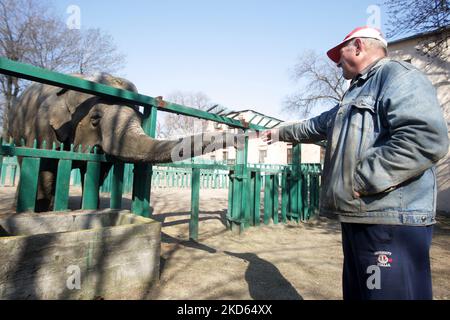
[[256, 118], [420, 35]]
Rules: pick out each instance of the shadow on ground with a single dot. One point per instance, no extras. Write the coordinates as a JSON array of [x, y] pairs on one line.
[[265, 281]]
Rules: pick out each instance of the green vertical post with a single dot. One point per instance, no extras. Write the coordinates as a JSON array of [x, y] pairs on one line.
[[240, 212], [315, 192], [2, 174], [143, 172], [275, 201], [91, 186], [230, 196], [117, 185], [292, 183], [246, 200], [257, 199], [268, 198], [28, 184], [296, 185], [252, 196], [62, 185], [319, 177], [195, 199], [236, 200], [13, 174], [301, 194], [305, 193], [245, 209], [284, 197]]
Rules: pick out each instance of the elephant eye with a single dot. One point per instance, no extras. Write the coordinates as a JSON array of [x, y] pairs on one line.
[[95, 118]]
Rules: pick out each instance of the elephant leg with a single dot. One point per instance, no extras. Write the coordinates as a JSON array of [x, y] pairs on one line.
[[45, 191]]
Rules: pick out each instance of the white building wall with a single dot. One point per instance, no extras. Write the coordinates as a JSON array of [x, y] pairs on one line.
[[276, 153]]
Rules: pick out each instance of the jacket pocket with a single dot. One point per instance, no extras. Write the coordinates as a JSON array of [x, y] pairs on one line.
[[355, 139], [363, 119]]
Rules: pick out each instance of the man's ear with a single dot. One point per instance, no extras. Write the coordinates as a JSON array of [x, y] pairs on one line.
[[359, 45]]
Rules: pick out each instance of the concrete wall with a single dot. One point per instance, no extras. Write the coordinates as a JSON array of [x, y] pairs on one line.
[[438, 71], [115, 255]]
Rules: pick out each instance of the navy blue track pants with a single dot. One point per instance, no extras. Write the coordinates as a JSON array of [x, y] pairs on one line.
[[386, 262]]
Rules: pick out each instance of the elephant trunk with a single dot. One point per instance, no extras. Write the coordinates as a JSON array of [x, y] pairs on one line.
[[135, 146]]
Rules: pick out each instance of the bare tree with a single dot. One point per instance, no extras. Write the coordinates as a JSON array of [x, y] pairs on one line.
[[32, 33], [322, 83], [96, 52], [178, 125], [421, 16]]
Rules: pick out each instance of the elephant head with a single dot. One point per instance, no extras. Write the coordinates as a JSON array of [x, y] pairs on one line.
[[115, 128]]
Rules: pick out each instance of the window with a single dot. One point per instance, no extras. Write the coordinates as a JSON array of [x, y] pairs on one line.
[[262, 156], [225, 156]]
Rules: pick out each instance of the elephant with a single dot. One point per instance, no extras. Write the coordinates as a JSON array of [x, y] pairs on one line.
[[61, 116]]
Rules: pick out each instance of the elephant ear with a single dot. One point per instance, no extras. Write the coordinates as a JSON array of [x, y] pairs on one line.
[[67, 112], [73, 106]]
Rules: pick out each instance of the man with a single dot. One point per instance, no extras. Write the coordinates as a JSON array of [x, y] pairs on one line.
[[383, 141]]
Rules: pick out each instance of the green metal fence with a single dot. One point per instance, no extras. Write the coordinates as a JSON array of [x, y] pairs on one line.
[[9, 172], [289, 192], [163, 176]]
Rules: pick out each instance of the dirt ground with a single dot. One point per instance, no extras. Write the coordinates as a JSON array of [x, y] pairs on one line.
[[292, 261]]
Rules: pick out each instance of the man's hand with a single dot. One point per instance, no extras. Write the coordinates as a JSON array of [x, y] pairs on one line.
[[268, 136]]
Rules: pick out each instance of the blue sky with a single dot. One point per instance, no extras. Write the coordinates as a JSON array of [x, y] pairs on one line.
[[239, 53]]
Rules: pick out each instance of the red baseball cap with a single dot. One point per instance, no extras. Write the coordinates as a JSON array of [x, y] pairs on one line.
[[361, 32]]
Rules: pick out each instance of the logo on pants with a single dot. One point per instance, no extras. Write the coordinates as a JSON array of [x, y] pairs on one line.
[[384, 258]]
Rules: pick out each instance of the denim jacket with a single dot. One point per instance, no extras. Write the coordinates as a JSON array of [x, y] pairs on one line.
[[383, 141]]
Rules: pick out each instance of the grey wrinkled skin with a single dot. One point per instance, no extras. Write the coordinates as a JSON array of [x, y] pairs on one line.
[[55, 115]]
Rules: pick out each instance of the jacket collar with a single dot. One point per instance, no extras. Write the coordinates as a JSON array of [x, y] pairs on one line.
[[369, 70]]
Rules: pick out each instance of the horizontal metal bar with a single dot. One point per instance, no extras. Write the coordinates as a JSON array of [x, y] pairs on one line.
[[29, 72], [51, 154], [196, 166]]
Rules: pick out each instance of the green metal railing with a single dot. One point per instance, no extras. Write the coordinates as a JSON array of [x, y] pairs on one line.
[[297, 186], [163, 176]]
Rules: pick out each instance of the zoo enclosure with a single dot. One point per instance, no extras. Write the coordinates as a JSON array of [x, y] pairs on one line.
[[297, 185]]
